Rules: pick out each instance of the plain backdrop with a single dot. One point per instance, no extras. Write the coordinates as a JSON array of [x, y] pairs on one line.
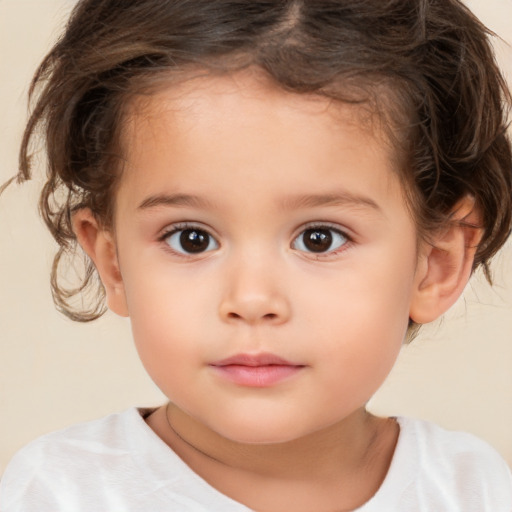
[[54, 372]]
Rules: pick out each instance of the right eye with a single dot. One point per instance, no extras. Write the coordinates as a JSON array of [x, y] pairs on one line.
[[190, 241]]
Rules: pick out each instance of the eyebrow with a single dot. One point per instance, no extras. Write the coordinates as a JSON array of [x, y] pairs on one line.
[[335, 199], [295, 202], [174, 200]]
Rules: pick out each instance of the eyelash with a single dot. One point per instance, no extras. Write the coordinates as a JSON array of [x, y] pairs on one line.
[[325, 226], [181, 227]]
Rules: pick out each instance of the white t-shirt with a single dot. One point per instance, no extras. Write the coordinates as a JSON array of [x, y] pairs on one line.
[[118, 464]]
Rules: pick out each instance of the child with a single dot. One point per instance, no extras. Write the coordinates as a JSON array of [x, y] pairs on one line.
[[276, 193]]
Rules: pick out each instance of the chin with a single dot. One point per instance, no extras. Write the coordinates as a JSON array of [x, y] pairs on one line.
[[258, 431]]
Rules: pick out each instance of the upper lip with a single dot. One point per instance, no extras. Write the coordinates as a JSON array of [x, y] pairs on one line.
[[263, 359]]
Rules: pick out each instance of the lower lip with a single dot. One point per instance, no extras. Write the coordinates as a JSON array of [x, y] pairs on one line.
[[257, 376]]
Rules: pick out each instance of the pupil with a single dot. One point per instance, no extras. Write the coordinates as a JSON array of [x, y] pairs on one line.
[[318, 240], [193, 240]]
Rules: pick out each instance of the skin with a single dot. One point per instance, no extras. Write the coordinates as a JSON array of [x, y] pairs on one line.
[[254, 167]]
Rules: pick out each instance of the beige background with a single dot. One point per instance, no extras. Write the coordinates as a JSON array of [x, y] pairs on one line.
[[54, 372]]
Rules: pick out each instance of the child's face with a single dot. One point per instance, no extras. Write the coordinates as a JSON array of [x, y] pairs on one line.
[[252, 222]]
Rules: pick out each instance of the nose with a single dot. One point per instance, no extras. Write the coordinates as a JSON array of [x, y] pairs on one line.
[[254, 294]]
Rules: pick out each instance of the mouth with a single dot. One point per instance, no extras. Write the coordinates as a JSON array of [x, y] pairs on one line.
[[258, 370]]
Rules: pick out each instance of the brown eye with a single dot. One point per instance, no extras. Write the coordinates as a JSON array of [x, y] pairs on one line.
[[191, 241], [319, 240]]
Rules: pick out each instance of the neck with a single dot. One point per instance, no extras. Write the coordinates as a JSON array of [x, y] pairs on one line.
[[337, 468], [347, 444]]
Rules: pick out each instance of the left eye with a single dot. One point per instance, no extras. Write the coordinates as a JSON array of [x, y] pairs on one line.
[[319, 240], [191, 241]]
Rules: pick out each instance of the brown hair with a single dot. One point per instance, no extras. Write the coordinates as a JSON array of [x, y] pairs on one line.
[[433, 58]]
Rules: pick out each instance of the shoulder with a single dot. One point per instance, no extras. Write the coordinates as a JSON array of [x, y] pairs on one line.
[[116, 463], [457, 464], [106, 434], [436, 445], [52, 464]]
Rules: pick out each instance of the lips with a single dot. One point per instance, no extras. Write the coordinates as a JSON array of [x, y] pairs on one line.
[[259, 370]]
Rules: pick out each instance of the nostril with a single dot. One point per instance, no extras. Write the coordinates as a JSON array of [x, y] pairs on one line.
[[254, 309], [236, 316]]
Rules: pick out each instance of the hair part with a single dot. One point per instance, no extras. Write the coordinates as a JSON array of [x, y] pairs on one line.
[[426, 67]]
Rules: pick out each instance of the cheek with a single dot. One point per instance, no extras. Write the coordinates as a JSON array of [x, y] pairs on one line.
[[361, 315], [359, 351], [365, 298], [164, 315], [166, 342]]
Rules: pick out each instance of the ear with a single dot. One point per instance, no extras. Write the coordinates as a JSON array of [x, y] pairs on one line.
[[445, 264], [99, 244]]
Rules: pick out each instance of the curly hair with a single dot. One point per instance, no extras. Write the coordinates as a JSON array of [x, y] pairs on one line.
[[427, 61]]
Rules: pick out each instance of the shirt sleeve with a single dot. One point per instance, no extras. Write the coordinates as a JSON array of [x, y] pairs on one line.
[[24, 487]]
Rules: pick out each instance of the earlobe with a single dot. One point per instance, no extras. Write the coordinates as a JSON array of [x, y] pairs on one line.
[[99, 244], [445, 264]]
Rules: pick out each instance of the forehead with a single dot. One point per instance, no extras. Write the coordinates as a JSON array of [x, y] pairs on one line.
[[250, 92], [235, 128]]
